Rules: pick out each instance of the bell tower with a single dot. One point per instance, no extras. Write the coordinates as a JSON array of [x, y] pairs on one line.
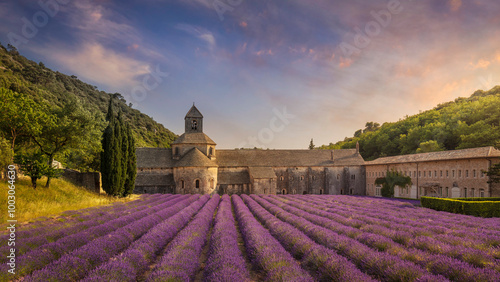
[[193, 121]]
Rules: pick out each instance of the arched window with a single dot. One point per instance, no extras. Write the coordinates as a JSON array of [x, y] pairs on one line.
[[294, 192], [283, 191], [182, 184], [194, 124], [281, 178], [197, 184], [338, 176], [321, 191]]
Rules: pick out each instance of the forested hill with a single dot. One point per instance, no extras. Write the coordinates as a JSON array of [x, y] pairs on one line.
[[460, 124], [24, 76]]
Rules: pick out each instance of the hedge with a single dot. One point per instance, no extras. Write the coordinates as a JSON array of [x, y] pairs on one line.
[[483, 207]]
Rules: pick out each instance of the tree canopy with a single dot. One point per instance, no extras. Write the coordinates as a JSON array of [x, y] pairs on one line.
[[464, 123]]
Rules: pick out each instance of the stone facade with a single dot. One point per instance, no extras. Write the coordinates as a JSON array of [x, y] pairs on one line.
[[193, 165], [449, 174]]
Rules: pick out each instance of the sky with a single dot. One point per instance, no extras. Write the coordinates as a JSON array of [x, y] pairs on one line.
[[268, 74]]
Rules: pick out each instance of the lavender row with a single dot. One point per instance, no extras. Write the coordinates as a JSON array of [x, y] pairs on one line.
[[396, 221], [437, 264], [447, 220], [326, 264], [264, 250], [225, 261], [181, 258], [473, 256], [45, 254], [75, 265], [73, 216], [133, 262], [42, 236], [378, 264]]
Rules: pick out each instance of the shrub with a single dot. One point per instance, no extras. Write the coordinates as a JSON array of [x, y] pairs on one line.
[[483, 207]]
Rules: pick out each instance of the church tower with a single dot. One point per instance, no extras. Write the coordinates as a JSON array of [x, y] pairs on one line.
[[193, 121], [195, 170]]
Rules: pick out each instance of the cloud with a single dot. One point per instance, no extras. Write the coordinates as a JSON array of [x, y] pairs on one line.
[[481, 64], [200, 33], [95, 63], [455, 5]]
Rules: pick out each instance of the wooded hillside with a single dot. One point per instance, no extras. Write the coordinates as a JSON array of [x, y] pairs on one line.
[[460, 124], [42, 84]]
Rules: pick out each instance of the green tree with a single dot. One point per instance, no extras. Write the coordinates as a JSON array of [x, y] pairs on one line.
[[311, 144], [429, 146], [68, 127], [20, 116], [131, 164], [124, 153], [35, 165], [392, 179], [6, 153]]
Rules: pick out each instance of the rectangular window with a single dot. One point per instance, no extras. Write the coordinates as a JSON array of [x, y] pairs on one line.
[[453, 173], [435, 173], [474, 173], [447, 174], [481, 193], [459, 173], [467, 173], [419, 174], [440, 173]]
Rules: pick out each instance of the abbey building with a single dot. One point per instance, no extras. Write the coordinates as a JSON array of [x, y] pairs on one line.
[[195, 166]]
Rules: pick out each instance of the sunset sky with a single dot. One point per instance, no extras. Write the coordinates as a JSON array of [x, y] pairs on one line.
[[271, 74]]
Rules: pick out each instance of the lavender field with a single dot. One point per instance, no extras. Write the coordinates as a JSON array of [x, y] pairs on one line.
[[257, 238]]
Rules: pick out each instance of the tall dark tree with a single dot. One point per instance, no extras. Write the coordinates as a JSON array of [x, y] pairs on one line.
[[311, 144], [124, 153], [131, 164], [117, 181], [107, 150]]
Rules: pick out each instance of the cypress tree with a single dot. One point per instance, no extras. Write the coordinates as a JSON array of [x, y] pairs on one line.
[[131, 164], [116, 182], [124, 154], [107, 152]]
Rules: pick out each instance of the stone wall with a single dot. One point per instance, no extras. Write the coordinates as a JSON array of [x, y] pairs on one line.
[[89, 180], [447, 176]]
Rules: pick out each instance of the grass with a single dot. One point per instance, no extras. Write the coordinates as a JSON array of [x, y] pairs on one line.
[[43, 203]]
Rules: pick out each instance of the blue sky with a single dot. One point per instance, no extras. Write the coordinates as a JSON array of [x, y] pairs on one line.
[[271, 74]]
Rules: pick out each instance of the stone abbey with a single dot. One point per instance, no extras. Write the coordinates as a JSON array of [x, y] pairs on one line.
[[193, 165]]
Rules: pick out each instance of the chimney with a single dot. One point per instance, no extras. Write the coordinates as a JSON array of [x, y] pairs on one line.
[[357, 147]]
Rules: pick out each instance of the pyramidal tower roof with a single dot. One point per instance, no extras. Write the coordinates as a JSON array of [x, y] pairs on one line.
[[194, 113]]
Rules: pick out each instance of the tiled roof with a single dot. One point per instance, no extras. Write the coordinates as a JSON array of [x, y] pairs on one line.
[[154, 157], [287, 158], [195, 158], [261, 172], [473, 153], [226, 177], [194, 138], [194, 112]]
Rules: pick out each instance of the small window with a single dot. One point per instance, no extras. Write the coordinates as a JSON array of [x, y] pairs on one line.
[[321, 191], [419, 173], [467, 173], [338, 176], [281, 178], [197, 184], [474, 173], [435, 173], [425, 173], [459, 173], [453, 173], [481, 193], [440, 173], [194, 124], [301, 178], [447, 174], [465, 192], [182, 184]]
